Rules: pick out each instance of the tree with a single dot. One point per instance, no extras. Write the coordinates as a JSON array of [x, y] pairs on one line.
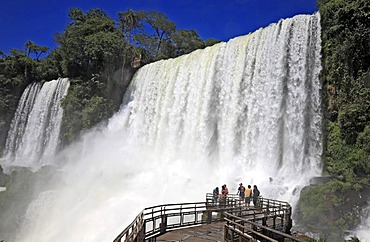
[[31, 48], [210, 42], [90, 43], [128, 22], [155, 30], [156, 35], [185, 41]]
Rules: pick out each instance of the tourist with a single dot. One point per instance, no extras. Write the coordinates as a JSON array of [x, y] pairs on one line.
[[224, 192], [241, 191], [256, 194], [248, 196], [215, 196], [223, 196]]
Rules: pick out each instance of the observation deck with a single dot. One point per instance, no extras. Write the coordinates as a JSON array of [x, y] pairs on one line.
[[226, 220]]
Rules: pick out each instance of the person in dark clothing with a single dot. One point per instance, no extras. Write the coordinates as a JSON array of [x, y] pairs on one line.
[[256, 194], [215, 195], [241, 191]]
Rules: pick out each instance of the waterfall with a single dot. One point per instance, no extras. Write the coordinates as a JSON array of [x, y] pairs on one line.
[[248, 110], [251, 104], [34, 132]]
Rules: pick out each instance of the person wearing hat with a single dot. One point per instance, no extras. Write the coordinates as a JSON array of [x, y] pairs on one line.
[[241, 191]]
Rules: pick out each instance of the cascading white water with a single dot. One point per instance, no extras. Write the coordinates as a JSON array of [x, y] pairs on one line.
[[251, 104], [243, 111], [362, 232], [34, 133]]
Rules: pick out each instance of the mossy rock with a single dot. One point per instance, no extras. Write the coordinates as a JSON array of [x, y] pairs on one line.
[[331, 208]]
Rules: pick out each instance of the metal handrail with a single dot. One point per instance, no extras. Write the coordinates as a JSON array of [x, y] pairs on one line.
[[131, 231], [157, 220], [249, 229]]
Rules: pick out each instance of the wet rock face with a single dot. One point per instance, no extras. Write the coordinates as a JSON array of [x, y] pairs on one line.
[[321, 179], [22, 187], [329, 208]]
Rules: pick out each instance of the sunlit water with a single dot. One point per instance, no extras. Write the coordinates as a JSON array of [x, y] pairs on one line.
[[34, 133], [248, 110]]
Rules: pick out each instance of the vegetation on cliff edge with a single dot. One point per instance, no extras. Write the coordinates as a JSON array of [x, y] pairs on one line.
[[333, 207]]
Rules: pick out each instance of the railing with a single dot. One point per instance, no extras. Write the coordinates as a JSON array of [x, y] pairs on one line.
[[157, 220], [133, 232], [242, 229], [269, 221]]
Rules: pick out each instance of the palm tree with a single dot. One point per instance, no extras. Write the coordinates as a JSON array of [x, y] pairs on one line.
[[129, 21]]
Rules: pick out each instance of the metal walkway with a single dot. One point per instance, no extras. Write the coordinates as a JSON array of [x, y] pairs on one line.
[[228, 220], [203, 233]]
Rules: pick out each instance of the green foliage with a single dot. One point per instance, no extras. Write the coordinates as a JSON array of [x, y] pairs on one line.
[[72, 110], [32, 48], [325, 208], [347, 162], [210, 42], [128, 22], [346, 29], [49, 68], [161, 31], [22, 188], [352, 120], [185, 41], [96, 109], [90, 43], [84, 108], [346, 51], [157, 35], [363, 140]]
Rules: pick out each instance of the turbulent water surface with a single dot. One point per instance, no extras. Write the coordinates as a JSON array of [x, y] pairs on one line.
[[248, 110]]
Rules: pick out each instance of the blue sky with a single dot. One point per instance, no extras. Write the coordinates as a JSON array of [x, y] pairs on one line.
[[39, 20]]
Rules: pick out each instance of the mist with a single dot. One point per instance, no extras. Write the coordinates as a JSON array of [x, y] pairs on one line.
[[362, 232]]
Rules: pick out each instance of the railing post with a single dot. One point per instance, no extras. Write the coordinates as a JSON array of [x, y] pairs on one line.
[[195, 214], [288, 220], [163, 224], [264, 220], [209, 216]]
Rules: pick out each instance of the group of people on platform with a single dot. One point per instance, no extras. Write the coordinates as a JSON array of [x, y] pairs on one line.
[[246, 195]]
